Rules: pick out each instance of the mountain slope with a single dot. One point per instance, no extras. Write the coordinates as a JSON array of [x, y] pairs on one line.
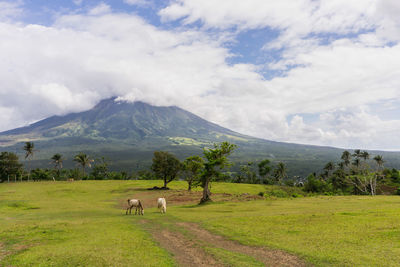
[[128, 133], [117, 120]]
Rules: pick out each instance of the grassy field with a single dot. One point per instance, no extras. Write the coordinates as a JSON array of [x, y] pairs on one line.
[[83, 224]]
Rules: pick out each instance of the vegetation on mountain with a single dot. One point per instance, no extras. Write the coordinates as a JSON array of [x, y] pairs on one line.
[[127, 134]]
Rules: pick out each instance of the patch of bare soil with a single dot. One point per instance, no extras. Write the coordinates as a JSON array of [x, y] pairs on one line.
[[6, 251], [270, 257], [185, 251], [3, 252], [179, 197]]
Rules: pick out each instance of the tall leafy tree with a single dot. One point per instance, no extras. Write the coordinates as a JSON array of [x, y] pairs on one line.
[[248, 174], [346, 157], [364, 155], [192, 168], [57, 160], [357, 163], [9, 165], [329, 167], [280, 172], [215, 161], [100, 169], [264, 169], [357, 153], [165, 166], [379, 161], [83, 160], [29, 149]]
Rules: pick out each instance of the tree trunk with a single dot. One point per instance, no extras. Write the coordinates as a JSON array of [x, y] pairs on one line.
[[190, 186], [206, 193], [165, 182]]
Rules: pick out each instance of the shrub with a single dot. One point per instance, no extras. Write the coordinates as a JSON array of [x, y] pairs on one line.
[[398, 191], [278, 193]]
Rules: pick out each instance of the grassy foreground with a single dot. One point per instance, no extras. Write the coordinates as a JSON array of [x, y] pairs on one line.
[[82, 224]]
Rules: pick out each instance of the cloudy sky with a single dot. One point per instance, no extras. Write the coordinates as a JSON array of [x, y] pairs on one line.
[[322, 72]]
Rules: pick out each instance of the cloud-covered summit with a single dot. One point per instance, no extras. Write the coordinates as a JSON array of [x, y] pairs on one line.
[[328, 73]]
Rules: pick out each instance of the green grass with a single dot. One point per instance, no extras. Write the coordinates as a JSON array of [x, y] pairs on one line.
[[233, 259], [82, 224], [72, 224], [336, 231]]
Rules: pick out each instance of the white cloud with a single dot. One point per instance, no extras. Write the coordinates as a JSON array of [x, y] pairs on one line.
[[10, 10], [77, 2], [100, 9], [82, 59], [137, 2]]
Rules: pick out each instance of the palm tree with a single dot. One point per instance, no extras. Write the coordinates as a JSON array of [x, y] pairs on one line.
[[357, 163], [346, 158], [83, 160], [364, 155], [379, 160], [280, 172], [357, 153], [57, 160], [29, 151], [329, 167], [341, 165]]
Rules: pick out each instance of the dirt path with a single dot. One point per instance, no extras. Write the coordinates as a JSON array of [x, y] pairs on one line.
[[185, 251], [269, 257], [187, 241], [188, 249]]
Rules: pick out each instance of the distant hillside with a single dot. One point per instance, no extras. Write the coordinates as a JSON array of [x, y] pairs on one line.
[[127, 134]]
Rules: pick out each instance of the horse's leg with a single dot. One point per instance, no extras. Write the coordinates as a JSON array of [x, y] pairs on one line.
[[126, 213]]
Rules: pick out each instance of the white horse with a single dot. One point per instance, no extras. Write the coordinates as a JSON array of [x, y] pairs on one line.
[[137, 204], [162, 204]]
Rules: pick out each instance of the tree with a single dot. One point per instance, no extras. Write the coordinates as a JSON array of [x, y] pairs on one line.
[[379, 161], [165, 166], [357, 153], [83, 160], [216, 160], [364, 155], [357, 164], [280, 172], [346, 157], [264, 169], [192, 168], [329, 167], [248, 174], [57, 160], [29, 151], [100, 169], [9, 165]]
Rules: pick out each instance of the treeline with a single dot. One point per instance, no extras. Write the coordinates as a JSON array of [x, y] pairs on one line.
[[357, 173]]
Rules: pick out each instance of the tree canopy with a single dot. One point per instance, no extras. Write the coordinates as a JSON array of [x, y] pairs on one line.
[[165, 166]]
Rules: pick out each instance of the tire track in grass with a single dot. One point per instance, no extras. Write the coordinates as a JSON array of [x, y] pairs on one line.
[[185, 252], [270, 257]]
